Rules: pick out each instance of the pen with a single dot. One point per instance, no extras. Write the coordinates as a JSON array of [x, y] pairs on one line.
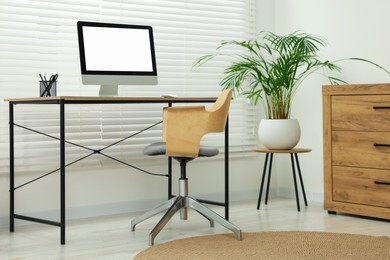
[[52, 79], [44, 84]]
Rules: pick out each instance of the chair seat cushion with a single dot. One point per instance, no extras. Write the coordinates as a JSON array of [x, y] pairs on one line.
[[159, 148]]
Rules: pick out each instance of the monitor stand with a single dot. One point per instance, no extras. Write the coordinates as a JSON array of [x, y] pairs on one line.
[[108, 91]]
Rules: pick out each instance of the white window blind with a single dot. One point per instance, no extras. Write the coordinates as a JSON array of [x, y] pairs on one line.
[[40, 36]]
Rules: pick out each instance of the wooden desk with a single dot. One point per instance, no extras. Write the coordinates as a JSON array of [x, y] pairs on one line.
[[293, 153], [62, 101]]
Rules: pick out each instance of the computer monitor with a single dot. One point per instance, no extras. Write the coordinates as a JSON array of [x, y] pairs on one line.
[[116, 54]]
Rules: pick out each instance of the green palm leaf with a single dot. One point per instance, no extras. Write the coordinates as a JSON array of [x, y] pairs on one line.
[[272, 67]]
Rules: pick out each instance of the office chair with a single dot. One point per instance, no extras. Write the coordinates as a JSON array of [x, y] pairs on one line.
[[183, 128]]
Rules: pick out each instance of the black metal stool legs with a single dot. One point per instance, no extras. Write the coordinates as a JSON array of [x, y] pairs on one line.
[[300, 178], [294, 159], [269, 178], [295, 182], [262, 180]]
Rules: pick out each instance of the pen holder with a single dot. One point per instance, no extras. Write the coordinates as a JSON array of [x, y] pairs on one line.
[[47, 88]]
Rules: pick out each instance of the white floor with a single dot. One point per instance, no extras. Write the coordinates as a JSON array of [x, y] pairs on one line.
[[111, 238]]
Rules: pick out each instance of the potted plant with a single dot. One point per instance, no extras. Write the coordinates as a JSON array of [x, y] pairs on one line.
[[271, 68]]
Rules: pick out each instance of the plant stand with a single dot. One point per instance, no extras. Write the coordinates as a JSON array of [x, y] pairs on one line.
[[294, 159]]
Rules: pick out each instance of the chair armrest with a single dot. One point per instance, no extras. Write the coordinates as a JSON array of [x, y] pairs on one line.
[[183, 128]]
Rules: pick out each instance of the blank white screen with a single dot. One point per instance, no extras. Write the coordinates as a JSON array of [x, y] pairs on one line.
[[117, 49]]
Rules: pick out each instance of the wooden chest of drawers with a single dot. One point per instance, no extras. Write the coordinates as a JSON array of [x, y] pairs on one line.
[[356, 122]]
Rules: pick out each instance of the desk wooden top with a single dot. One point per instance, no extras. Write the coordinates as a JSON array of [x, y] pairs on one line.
[[97, 99], [294, 150]]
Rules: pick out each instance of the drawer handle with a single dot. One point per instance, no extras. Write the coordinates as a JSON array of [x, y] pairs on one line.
[[381, 107], [381, 145], [382, 182]]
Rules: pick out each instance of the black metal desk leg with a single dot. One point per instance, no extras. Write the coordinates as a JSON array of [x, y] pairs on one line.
[[295, 181], [62, 171], [262, 180], [170, 170], [11, 169], [227, 169], [269, 178], [300, 178], [170, 178]]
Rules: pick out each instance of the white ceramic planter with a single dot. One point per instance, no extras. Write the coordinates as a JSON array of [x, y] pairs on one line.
[[279, 133]]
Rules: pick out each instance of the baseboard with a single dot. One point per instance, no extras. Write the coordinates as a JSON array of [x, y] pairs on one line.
[[85, 212], [290, 193]]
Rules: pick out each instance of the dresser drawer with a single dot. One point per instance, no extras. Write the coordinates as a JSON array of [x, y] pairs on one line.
[[361, 113], [361, 186], [361, 149]]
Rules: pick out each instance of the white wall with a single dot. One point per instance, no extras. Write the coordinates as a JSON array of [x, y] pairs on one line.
[[265, 15], [353, 29]]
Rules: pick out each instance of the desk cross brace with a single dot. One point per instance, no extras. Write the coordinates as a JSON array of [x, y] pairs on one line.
[[93, 151]]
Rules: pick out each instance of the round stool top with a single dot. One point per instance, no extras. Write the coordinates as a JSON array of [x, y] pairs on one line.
[[294, 150]]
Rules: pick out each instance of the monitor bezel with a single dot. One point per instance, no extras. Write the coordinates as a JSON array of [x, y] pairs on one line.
[[84, 71]]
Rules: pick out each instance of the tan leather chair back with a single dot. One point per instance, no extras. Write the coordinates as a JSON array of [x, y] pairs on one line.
[[184, 127]]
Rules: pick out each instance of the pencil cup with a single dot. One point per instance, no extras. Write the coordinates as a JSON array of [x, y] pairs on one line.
[[47, 88]]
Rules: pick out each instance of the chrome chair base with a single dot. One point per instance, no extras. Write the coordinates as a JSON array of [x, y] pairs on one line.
[[182, 203]]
